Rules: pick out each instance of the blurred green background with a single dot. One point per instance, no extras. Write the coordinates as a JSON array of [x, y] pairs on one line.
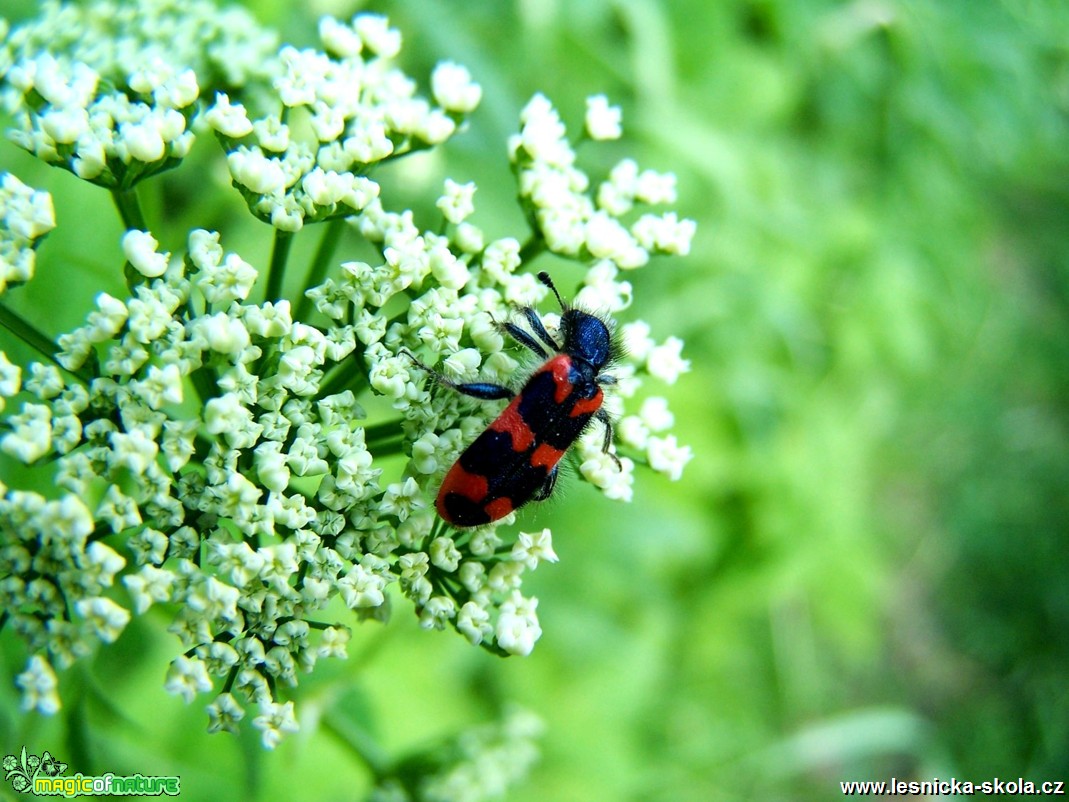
[[863, 572]]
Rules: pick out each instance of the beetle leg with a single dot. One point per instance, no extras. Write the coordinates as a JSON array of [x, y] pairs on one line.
[[606, 444], [482, 390], [544, 492], [524, 339], [535, 322]]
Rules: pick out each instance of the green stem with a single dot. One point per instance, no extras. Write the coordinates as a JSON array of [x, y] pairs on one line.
[[341, 377], [279, 254], [323, 255], [204, 383], [30, 335], [230, 679], [400, 154], [386, 447], [358, 742], [534, 246], [129, 208], [383, 431]]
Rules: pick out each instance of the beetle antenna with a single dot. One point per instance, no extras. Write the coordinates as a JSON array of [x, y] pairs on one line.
[[545, 279]]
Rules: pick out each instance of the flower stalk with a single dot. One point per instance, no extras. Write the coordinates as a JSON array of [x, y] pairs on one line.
[[129, 206], [321, 263], [280, 252]]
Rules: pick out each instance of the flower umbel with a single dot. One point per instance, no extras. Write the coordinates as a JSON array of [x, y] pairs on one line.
[[210, 448]]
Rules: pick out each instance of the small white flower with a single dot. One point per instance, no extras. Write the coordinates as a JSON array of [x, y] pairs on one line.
[[602, 471], [204, 249], [140, 249], [45, 381], [454, 89], [637, 343], [377, 35], [226, 415], [103, 616], [258, 173], [437, 612], [543, 136], [326, 187], [606, 238], [274, 721], [457, 201], [434, 127], [186, 677], [656, 415], [102, 562], [361, 587], [464, 362], [517, 626], [666, 361], [161, 386], [177, 91], [148, 317], [271, 467], [10, 377], [143, 140], [224, 714], [27, 213], [667, 456], [469, 238], [414, 576], [444, 554], [338, 38], [118, 510], [653, 187], [133, 450], [39, 684], [30, 437], [269, 320], [221, 333], [228, 119], [473, 622], [334, 641], [664, 233], [327, 123], [231, 280], [531, 548], [484, 542], [505, 576], [65, 125], [178, 442], [272, 134], [150, 585], [633, 431], [109, 317], [602, 120]]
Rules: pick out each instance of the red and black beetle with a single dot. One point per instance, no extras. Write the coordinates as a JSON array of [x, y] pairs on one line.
[[515, 460]]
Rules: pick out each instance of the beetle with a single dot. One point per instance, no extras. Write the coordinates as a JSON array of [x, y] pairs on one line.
[[516, 458]]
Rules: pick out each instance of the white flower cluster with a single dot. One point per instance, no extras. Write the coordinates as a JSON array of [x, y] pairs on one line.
[[483, 764], [358, 110], [250, 517], [576, 220], [25, 217], [108, 90], [211, 453]]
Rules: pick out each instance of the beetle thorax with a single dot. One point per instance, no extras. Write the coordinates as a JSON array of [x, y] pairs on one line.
[[586, 338]]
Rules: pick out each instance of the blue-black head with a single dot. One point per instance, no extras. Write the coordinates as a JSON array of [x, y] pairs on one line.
[[586, 336]]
